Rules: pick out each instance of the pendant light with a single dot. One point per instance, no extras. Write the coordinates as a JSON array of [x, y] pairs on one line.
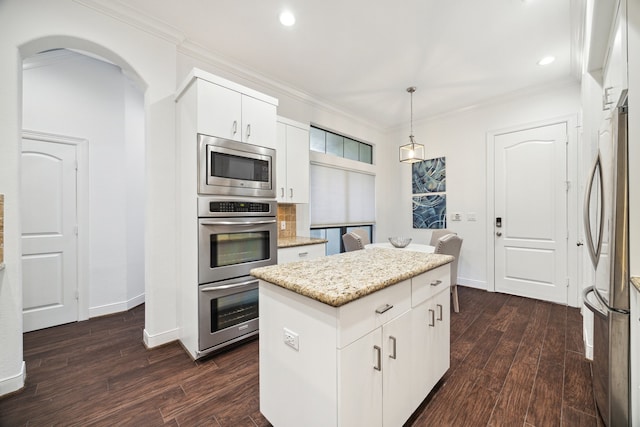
[[411, 152]]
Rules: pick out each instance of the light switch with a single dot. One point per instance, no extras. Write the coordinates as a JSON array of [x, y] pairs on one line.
[[456, 216], [471, 216]]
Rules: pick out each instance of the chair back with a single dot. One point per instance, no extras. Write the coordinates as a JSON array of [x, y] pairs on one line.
[[362, 234], [450, 244], [351, 242], [437, 234]]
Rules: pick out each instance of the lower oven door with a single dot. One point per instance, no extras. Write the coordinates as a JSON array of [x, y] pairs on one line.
[[231, 247], [228, 312]]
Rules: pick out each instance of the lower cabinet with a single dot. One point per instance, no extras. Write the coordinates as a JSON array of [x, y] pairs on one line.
[[377, 369], [301, 253], [370, 362]]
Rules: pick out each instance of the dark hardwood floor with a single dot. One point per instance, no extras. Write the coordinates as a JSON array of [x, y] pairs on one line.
[[514, 362]]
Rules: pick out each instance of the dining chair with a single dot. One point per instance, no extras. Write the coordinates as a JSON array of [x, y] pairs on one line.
[[437, 234], [450, 244], [363, 235], [351, 242]]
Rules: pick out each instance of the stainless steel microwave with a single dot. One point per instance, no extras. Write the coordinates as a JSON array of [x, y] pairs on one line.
[[233, 168]]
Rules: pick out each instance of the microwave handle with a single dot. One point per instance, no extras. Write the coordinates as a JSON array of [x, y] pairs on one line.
[[216, 222]]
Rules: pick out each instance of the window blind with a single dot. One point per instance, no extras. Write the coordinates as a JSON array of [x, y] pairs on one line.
[[341, 196]]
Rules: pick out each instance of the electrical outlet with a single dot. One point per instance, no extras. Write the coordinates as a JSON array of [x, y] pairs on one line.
[[291, 339], [471, 216], [283, 225]]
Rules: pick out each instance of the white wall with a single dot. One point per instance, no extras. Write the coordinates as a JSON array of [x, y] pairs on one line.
[[461, 138], [69, 94], [33, 26]]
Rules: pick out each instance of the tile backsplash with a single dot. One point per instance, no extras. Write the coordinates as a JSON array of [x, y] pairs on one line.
[[286, 213]]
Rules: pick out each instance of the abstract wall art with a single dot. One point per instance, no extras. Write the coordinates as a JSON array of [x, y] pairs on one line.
[[429, 185]]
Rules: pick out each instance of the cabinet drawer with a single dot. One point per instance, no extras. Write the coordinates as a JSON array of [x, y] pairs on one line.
[[361, 316], [300, 253], [429, 284]]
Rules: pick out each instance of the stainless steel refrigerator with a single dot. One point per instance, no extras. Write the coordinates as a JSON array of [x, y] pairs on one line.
[[606, 214]]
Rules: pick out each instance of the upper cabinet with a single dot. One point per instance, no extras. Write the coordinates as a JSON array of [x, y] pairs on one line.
[[228, 110], [292, 162], [615, 76]]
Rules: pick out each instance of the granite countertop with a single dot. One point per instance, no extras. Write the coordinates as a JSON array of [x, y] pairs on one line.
[[287, 242], [339, 279], [635, 280]]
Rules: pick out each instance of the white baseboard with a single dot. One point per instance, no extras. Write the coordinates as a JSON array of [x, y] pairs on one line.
[[103, 310], [151, 341], [470, 283], [13, 383]]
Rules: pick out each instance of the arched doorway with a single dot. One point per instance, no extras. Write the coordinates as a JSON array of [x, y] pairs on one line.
[[78, 94]]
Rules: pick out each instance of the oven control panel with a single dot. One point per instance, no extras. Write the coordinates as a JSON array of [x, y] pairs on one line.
[[238, 207], [208, 207]]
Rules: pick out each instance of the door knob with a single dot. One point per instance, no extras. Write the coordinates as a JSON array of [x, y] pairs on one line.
[[498, 233]]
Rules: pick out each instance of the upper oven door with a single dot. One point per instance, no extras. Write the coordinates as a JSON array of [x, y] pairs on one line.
[[228, 167], [231, 247]]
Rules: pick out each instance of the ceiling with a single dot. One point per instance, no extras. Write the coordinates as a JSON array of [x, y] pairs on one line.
[[359, 56]]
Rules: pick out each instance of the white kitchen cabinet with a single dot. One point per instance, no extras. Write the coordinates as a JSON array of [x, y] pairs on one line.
[[311, 386], [301, 253], [292, 162], [615, 76], [229, 114]]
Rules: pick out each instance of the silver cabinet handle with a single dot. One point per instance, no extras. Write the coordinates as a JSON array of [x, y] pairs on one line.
[[393, 347], [282, 192], [432, 313], [291, 192], [303, 254], [439, 312], [378, 365], [234, 128], [383, 308], [498, 233], [436, 282], [248, 131]]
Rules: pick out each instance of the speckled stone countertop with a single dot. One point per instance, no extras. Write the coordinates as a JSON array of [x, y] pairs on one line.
[[339, 279], [287, 242], [635, 280]]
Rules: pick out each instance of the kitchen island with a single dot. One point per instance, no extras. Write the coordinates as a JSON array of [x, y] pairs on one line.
[[353, 339]]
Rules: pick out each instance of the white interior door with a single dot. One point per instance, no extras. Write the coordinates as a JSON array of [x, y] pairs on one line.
[[49, 254], [530, 224]]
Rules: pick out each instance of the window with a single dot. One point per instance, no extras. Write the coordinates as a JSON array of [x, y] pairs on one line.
[[334, 236], [324, 141]]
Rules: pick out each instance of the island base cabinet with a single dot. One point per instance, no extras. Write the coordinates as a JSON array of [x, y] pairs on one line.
[[430, 328], [375, 372]]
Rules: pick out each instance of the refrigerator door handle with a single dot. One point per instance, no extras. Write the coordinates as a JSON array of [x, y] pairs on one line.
[[594, 247], [591, 306]]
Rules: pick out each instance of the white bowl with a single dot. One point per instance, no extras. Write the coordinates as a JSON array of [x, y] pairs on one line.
[[400, 242]]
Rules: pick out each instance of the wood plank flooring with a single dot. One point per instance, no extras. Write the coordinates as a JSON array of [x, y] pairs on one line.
[[514, 362]]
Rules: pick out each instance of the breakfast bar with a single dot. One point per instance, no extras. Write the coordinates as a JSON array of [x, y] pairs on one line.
[[358, 338]]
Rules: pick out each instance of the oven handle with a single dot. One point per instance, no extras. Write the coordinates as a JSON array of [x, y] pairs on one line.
[[235, 285], [215, 222]]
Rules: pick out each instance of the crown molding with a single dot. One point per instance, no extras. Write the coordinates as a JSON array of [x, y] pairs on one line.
[[122, 12], [200, 53]]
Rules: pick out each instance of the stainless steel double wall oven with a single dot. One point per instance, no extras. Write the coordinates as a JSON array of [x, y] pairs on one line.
[[237, 231]]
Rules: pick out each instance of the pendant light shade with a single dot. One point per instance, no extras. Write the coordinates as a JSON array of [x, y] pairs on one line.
[[411, 152]]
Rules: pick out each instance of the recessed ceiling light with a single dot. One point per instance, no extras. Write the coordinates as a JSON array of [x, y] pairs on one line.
[[287, 19], [546, 60]]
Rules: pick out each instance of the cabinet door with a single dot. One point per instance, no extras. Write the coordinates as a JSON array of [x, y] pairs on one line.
[[441, 342], [297, 165], [301, 253], [218, 110], [397, 371], [615, 74], [359, 382], [281, 163], [258, 122]]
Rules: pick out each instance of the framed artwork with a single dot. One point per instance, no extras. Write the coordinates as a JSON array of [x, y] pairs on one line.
[[430, 211], [429, 186], [429, 176]]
